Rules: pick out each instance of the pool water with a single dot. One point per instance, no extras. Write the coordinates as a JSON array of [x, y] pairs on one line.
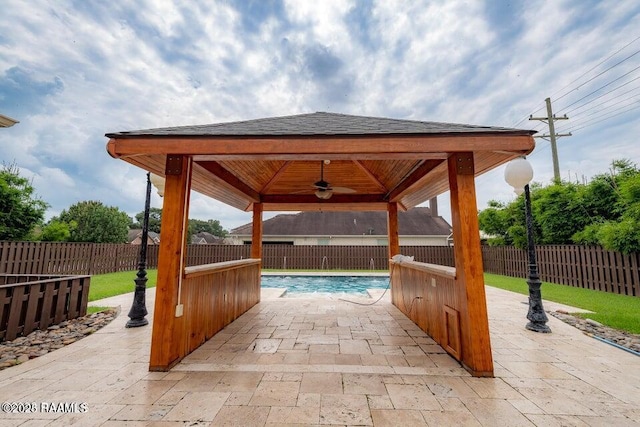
[[297, 285]]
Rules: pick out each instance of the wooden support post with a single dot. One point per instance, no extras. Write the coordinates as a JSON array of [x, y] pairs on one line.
[[167, 336], [392, 227], [474, 322], [256, 237]]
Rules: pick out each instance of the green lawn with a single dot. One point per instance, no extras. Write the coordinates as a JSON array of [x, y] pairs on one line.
[[617, 311], [111, 284]]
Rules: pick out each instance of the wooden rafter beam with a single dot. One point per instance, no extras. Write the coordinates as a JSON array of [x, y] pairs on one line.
[[216, 169], [275, 177], [412, 179], [311, 198], [371, 176]]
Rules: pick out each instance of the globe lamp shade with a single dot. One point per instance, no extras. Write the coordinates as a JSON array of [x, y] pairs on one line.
[[518, 174]]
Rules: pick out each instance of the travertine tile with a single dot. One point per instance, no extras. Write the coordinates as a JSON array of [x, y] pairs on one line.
[[204, 403], [343, 409], [142, 413], [408, 396], [438, 418], [397, 417], [324, 383], [241, 416], [296, 415], [198, 381], [369, 384], [564, 378], [354, 347], [239, 381], [276, 393], [495, 412], [143, 393]]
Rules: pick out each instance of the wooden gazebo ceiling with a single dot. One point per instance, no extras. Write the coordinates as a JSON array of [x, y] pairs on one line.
[[275, 161]]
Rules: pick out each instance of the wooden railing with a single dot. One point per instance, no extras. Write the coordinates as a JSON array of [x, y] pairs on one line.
[[214, 295], [30, 302]]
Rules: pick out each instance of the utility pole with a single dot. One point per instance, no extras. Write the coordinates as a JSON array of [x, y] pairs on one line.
[[552, 135]]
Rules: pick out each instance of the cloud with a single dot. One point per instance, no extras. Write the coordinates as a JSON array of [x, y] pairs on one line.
[[70, 72]]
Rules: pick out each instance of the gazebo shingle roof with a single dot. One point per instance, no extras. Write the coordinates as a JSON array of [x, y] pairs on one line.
[[319, 123]]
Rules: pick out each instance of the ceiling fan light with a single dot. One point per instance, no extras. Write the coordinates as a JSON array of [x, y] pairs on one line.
[[324, 194]]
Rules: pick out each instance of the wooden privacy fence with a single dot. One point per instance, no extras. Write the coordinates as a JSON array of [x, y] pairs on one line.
[[589, 267], [29, 302]]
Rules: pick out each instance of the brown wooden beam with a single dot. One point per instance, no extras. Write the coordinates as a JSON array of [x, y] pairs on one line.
[[275, 177], [373, 206], [311, 198], [414, 178], [167, 334], [323, 156], [392, 227], [321, 144], [218, 170], [256, 235], [474, 322], [371, 176]]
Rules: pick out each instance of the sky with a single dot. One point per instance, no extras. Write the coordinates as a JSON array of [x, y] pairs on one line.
[[71, 71]]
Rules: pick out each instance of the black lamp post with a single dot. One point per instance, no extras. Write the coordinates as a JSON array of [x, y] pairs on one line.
[[139, 309], [518, 174]]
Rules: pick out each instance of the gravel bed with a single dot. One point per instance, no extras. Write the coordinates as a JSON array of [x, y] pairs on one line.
[[39, 343], [589, 326]]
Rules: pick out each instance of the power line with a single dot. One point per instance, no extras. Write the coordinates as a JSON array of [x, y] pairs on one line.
[[581, 76], [604, 94], [599, 74], [601, 87], [605, 118], [605, 111]]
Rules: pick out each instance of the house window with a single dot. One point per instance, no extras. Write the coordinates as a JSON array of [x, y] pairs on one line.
[[382, 242], [323, 242]]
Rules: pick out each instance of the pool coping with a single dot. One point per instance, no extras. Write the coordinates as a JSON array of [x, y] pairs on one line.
[[324, 273]]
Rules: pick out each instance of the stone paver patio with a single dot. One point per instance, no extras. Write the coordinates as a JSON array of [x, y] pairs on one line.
[[290, 361]]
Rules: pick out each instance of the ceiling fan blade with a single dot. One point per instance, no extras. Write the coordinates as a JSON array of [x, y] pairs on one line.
[[343, 190]]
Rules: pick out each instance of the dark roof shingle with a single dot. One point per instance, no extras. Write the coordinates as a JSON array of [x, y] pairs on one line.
[[319, 123], [414, 222]]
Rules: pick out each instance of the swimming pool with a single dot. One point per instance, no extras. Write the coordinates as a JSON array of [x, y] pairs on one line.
[[349, 285]]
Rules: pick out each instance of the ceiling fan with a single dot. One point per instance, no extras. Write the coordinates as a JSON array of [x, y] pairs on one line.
[[324, 190]]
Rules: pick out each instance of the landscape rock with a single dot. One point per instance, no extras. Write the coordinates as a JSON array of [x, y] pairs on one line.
[[38, 343], [591, 327]]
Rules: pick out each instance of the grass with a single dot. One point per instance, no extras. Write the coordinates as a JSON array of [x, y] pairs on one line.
[[616, 311], [111, 284]]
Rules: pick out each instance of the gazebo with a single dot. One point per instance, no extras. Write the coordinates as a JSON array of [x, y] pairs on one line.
[[321, 161]]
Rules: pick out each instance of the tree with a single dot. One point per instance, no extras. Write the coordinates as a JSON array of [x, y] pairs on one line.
[[211, 226], [155, 219], [196, 226], [20, 210], [559, 212], [95, 222], [57, 231], [605, 212]]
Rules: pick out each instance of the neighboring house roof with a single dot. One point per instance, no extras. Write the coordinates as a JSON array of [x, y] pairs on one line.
[[137, 233], [414, 222], [204, 238]]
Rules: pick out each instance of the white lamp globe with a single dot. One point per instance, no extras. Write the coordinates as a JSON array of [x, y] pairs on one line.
[[518, 174], [157, 182]]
